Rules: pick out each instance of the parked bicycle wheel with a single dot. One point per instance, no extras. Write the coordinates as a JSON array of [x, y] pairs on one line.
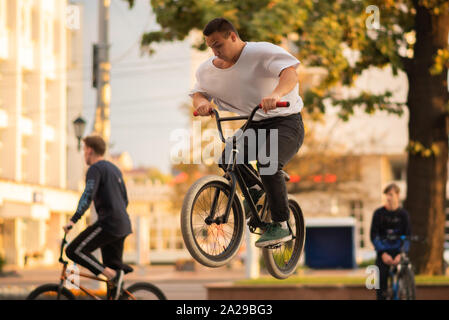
[[407, 284], [50, 292], [211, 242], [282, 261], [143, 291]]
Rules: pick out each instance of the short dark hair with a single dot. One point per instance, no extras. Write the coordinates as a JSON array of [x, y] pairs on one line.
[[219, 25], [392, 186], [96, 143]]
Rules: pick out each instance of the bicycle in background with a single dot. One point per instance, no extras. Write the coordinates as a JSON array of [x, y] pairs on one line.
[[401, 278], [136, 291]]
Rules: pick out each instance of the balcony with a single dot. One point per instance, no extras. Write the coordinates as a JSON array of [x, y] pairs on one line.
[[26, 55], [49, 133], [26, 126], [49, 66]]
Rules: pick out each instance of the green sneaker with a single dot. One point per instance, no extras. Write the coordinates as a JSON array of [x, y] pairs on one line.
[[255, 194], [274, 234]]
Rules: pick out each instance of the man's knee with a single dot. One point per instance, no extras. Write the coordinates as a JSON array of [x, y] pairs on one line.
[[271, 171], [70, 251]]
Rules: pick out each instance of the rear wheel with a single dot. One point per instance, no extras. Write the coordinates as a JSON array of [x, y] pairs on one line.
[[50, 292], [282, 261], [142, 291], [211, 241]]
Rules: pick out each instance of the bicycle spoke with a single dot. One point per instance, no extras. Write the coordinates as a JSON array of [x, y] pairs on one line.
[[212, 239]]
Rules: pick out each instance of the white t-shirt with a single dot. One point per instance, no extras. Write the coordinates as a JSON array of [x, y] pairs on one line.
[[253, 77]]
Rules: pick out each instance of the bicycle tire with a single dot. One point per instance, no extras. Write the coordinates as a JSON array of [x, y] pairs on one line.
[[407, 290], [271, 256], [143, 286], [389, 294], [187, 229], [50, 290]]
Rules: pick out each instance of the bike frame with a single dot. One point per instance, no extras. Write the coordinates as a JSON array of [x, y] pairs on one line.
[[64, 277], [395, 271], [234, 174]]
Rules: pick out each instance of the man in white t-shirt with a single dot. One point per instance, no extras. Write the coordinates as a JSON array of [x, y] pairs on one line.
[[240, 76]]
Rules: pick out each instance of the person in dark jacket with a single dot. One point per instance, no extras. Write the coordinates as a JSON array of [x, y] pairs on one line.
[[104, 186], [389, 221]]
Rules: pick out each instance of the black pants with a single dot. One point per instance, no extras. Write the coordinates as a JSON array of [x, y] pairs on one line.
[[94, 237], [290, 138], [383, 276]]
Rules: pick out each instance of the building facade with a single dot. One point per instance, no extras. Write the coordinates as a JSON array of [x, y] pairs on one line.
[[156, 236], [40, 94]]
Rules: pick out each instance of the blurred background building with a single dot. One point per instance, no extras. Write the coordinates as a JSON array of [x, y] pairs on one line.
[[40, 96]]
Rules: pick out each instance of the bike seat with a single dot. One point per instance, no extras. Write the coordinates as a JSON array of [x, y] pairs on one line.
[[127, 268], [286, 175]]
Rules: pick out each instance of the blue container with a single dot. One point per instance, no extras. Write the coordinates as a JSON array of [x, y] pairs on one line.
[[330, 243]]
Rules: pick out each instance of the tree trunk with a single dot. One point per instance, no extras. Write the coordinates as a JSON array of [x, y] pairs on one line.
[[427, 176]]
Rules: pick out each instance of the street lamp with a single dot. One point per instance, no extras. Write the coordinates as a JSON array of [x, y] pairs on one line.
[[79, 125]]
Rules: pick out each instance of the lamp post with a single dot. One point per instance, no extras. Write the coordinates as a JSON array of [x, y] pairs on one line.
[[79, 125]]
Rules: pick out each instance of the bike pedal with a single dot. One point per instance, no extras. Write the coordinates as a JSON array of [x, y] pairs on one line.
[[253, 230]]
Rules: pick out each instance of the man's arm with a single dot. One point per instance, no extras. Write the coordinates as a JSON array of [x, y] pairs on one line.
[[378, 243], [288, 78], [92, 182], [125, 194]]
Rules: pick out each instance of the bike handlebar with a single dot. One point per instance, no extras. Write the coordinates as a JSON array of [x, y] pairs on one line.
[[403, 237], [280, 104], [63, 243]]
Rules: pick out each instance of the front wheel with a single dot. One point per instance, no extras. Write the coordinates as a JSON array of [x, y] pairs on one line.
[[210, 240], [407, 285], [142, 291], [50, 292], [282, 261]]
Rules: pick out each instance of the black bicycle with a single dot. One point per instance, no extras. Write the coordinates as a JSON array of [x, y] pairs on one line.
[[136, 291], [213, 221], [401, 278]]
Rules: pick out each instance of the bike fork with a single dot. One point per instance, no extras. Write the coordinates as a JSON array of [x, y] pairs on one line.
[[225, 217]]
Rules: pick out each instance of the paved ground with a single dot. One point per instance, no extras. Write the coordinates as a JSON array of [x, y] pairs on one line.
[[182, 285], [177, 285]]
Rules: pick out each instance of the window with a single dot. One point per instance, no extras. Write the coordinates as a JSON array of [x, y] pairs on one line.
[[398, 169], [356, 211]]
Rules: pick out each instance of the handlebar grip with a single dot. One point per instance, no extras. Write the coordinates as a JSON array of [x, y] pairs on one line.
[[196, 114], [280, 104]]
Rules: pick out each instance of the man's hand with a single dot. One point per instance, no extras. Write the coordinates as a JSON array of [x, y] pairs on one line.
[[68, 226], [269, 103], [204, 109], [397, 259], [387, 259]]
